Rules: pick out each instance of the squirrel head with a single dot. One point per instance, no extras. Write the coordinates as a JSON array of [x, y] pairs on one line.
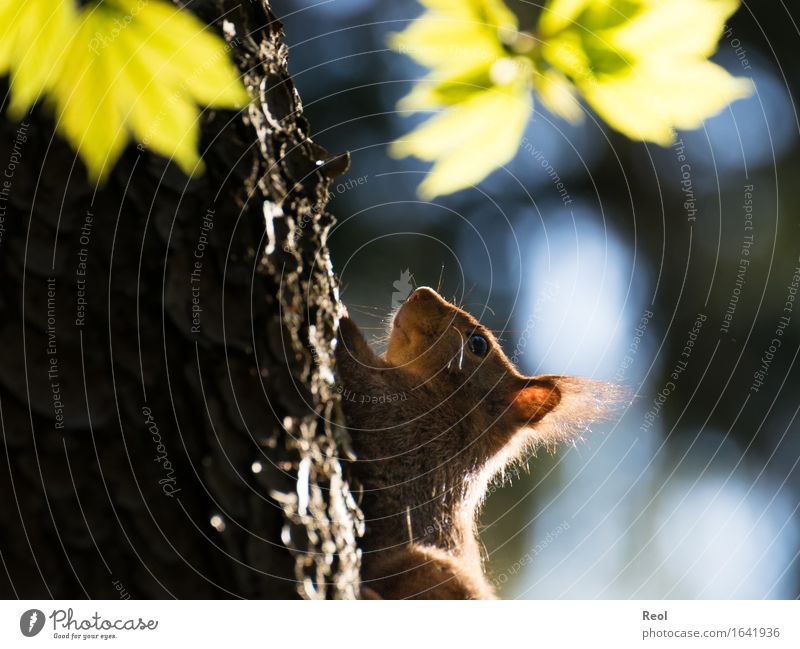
[[465, 415], [445, 347]]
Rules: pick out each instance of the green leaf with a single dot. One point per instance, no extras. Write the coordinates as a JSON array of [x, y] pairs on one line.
[[558, 96], [677, 27], [448, 44], [157, 113], [117, 70], [432, 93], [655, 97], [559, 14], [86, 112], [643, 64], [181, 51], [465, 141], [464, 43], [32, 39]]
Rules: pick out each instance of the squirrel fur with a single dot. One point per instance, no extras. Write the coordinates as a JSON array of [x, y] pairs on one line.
[[433, 421]]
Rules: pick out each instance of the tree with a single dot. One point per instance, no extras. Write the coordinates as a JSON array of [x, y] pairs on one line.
[[170, 422]]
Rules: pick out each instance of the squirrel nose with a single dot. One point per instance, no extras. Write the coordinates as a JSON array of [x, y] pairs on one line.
[[424, 294]]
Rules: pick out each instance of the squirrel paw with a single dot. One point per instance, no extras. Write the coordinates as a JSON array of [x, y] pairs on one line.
[[352, 343]]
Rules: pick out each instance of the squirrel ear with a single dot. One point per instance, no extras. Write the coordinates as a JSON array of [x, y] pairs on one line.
[[536, 398], [577, 404]]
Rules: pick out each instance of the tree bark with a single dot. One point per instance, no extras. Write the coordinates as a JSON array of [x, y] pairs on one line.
[[169, 418]]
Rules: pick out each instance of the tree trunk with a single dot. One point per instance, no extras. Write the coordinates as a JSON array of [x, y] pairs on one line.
[[170, 424]]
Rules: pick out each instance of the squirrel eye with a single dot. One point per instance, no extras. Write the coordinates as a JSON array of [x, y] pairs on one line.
[[478, 345]]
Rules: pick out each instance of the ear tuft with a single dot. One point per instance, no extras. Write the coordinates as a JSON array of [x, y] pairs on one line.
[[581, 403]]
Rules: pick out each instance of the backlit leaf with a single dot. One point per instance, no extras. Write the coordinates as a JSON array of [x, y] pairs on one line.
[[642, 65], [465, 141], [115, 70], [33, 36], [558, 96], [665, 27], [657, 96], [448, 44], [86, 111], [558, 14]]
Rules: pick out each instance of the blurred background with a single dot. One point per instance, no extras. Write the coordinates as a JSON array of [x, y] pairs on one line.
[[671, 271]]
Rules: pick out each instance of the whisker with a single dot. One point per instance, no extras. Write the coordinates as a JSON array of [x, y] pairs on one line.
[[441, 277], [472, 288], [367, 306], [479, 305], [461, 354], [365, 313]]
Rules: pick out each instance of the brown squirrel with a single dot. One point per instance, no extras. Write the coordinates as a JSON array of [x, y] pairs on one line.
[[434, 420]]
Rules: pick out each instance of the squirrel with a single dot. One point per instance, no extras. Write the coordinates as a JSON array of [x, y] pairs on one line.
[[432, 422]]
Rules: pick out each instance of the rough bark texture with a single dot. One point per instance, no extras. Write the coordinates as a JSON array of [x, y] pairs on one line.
[[169, 421]]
